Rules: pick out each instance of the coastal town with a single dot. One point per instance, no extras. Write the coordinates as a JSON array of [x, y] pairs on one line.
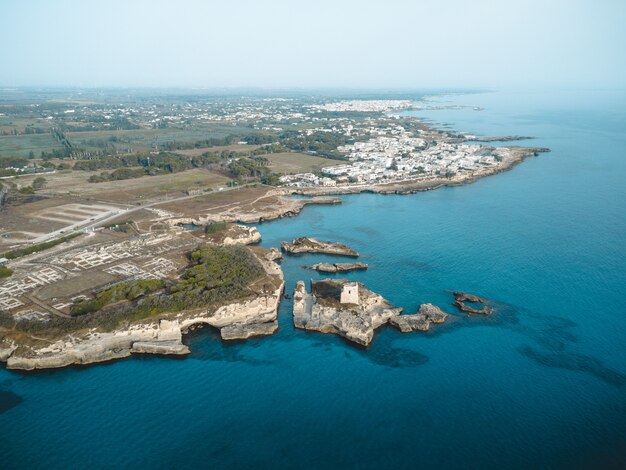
[[401, 157]]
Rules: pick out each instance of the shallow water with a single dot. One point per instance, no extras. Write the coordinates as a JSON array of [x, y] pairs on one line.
[[540, 383]]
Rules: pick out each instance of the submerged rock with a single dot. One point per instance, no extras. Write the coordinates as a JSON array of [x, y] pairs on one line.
[[347, 309], [461, 297], [337, 267], [245, 331], [312, 245], [420, 321]]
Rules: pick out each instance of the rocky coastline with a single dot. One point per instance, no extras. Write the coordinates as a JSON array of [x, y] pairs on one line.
[[282, 206], [162, 336]]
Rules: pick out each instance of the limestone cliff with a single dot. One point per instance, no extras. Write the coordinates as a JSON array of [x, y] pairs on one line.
[[237, 320]]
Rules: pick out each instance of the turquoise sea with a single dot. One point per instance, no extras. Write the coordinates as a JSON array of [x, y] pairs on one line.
[[539, 384]]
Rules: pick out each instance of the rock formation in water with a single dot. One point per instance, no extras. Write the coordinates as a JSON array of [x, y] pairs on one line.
[[419, 321], [337, 267], [312, 245], [347, 309], [461, 297]]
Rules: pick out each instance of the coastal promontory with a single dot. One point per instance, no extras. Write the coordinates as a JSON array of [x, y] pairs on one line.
[[347, 309], [235, 289]]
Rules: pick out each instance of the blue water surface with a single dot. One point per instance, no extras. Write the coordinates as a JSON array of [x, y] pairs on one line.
[[540, 383]]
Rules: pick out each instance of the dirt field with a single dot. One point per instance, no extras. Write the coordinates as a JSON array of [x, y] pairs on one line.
[[221, 148], [128, 191], [74, 285], [68, 199], [217, 202]]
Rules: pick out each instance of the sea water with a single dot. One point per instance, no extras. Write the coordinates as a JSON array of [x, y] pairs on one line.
[[539, 383]]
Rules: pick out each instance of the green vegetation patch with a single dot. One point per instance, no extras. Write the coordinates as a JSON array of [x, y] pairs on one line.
[[216, 276], [39, 247], [215, 227], [124, 291], [5, 272]]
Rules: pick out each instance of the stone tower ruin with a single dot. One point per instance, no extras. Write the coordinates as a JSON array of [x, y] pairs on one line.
[[350, 293]]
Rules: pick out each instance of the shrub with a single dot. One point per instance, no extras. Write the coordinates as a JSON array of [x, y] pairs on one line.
[[215, 227], [5, 272]]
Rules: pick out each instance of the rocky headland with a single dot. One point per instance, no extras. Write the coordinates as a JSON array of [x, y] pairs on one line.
[[347, 309], [313, 245], [227, 234], [254, 315]]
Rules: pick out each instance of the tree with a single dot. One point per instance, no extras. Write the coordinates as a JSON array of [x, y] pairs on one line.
[[39, 183], [26, 190]]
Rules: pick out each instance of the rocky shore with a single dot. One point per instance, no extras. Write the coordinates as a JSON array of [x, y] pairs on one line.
[[233, 234], [337, 267], [286, 207], [313, 245], [501, 138], [277, 204]]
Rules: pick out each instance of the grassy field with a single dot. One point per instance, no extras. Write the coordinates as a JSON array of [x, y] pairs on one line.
[[146, 139], [22, 145], [291, 162], [136, 140]]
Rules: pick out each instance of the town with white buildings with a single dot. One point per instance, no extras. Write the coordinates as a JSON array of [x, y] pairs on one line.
[[394, 155]]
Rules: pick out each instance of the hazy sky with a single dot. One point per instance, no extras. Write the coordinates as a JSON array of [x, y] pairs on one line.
[[365, 43]]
